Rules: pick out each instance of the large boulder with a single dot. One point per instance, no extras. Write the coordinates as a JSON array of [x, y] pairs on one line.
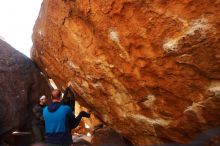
[[22, 84], [150, 69]]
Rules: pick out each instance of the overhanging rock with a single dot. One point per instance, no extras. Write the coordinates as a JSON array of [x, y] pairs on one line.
[[149, 69]]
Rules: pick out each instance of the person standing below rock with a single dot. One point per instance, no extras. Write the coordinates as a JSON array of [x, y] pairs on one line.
[[57, 125], [37, 122]]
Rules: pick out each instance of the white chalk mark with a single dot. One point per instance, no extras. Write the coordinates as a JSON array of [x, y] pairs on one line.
[[196, 108], [201, 25], [72, 65], [151, 98], [114, 36], [215, 87]]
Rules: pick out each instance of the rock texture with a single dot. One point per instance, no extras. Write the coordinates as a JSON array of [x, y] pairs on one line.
[[150, 69], [21, 86], [88, 123], [107, 136]]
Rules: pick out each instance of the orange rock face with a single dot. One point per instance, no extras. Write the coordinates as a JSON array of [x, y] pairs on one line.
[[148, 68]]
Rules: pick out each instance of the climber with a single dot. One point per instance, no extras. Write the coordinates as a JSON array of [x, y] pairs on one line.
[[56, 117], [69, 98], [37, 121]]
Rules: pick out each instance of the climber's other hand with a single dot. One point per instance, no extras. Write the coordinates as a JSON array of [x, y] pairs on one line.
[[85, 114]]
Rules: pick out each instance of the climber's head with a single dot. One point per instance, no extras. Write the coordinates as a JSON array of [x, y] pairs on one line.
[[43, 100], [56, 94]]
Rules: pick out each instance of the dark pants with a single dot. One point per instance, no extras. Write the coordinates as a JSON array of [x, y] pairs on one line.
[[38, 133], [50, 144]]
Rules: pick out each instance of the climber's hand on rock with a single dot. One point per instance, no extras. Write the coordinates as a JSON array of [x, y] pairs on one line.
[[69, 84], [85, 114]]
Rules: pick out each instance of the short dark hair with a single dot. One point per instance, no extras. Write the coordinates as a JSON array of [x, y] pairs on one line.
[[56, 94]]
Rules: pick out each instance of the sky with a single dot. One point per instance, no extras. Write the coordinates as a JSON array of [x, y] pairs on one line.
[[17, 18]]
